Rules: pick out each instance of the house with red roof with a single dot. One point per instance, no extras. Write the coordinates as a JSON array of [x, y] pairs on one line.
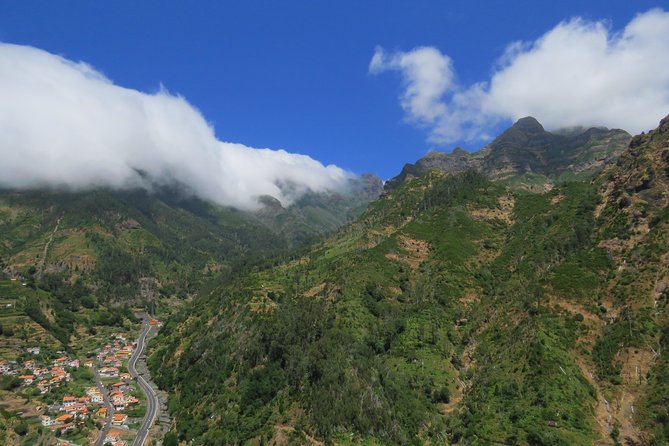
[[119, 418]]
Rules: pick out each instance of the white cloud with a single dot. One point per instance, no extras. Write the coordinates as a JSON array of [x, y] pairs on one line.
[[578, 73], [63, 124], [427, 74]]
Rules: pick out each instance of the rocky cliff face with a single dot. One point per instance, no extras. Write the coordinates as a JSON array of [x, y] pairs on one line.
[[458, 160], [643, 170], [633, 227], [526, 156]]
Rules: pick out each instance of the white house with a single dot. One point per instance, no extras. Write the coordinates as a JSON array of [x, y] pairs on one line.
[[47, 420]]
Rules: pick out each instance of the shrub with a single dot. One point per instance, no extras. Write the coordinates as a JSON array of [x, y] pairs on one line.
[[21, 428]]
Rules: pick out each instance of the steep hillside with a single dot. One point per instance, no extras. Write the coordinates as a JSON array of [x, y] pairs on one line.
[[458, 160], [316, 214], [123, 244], [80, 259], [134, 244], [454, 310], [634, 230], [528, 157]]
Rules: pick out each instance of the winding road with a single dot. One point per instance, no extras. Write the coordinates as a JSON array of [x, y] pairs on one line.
[[151, 397], [110, 409]]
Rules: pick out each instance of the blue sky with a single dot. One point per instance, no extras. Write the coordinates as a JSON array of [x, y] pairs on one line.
[[294, 74]]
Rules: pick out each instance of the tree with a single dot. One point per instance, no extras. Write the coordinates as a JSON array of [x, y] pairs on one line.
[[171, 439], [21, 428], [7, 331]]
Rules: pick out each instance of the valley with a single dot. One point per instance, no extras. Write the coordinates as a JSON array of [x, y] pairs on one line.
[[80, 396], [459, 307], [377, 223]]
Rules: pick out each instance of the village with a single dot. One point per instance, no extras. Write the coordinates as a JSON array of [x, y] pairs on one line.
[[82, 397]]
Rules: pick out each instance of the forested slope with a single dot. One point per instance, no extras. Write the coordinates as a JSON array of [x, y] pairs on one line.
[[453, 310], [85, 257]]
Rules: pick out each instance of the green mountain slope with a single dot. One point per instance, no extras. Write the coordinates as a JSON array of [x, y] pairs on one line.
[[453, 310], [111, 240], [114, 239], [80, 259], [316, 214], [528, 157]]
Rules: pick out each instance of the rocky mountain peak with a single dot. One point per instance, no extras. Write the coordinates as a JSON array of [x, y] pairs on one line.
[[528, 124], [526, 156]]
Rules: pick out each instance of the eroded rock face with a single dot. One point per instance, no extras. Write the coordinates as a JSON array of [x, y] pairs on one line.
[[129, 224], [643, 170], [528, 149]]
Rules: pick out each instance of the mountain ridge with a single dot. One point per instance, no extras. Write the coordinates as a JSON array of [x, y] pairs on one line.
[[68, 233], [526, 156]]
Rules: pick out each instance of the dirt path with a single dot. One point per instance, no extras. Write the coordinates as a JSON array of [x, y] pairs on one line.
[[283, 432], [603, 415], [42, 260]]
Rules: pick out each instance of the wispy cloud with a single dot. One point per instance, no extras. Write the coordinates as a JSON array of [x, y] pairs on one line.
[[578, 73], [64, 124]]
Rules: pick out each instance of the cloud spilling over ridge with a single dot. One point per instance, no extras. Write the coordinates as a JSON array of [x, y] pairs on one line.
[[580, 73], [63, 124]]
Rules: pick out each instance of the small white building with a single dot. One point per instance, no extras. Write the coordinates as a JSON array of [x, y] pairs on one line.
[[47, 420]]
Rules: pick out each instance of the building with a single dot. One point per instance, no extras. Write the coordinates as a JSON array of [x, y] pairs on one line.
[[78, 410], [46, 420], [113, 436], [43, 386], [27, 379], [117, 399], [63, 419], [122, 386], [119, 419], [4, 367], [109, 372]]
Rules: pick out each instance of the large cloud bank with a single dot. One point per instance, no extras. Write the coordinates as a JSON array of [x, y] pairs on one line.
[[63, 124], [580, 73]]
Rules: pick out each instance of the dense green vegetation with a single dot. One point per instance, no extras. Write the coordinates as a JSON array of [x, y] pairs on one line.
[[134, 246], [455, 309], [452, 310], [376, 350]]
